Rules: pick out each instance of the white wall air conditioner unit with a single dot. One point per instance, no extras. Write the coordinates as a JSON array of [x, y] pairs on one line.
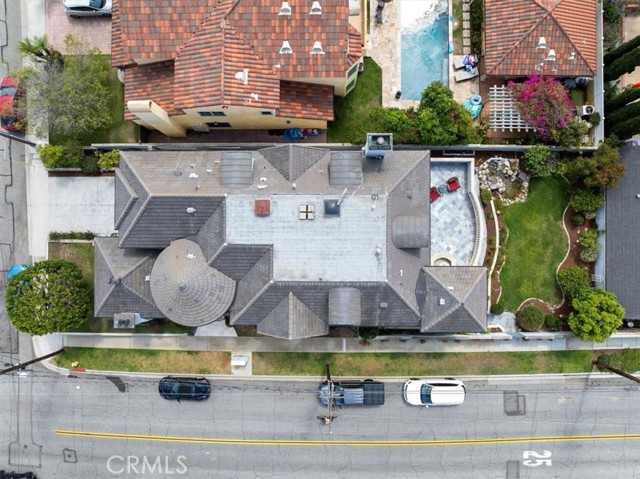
[[583, 110]]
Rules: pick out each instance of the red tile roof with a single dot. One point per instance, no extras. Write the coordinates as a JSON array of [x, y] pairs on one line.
[[146, 82], [211, 44], [306, 100], [513, 29]]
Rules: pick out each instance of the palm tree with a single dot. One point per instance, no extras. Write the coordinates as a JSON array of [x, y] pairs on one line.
[[39, 49]]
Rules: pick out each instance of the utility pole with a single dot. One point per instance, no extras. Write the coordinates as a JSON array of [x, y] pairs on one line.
[[331, 400], [598, 362], [28, 363]]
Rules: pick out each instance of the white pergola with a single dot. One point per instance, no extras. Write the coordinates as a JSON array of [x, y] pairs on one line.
[[504, 115]]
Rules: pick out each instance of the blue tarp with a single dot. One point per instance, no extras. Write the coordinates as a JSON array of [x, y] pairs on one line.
[[16, 269]]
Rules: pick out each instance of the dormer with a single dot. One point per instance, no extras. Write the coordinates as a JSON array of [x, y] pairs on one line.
[[285, 49], [316, 9], [317, 49], [285, 9]]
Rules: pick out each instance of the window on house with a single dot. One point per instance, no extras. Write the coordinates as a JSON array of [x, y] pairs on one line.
[[266, 113], [212, 113], [216, 124], [353, 70], [351, 85]]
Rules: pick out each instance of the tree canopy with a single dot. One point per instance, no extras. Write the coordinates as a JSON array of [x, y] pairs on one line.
[[602, 170], [442, 120], [51, 296], [69, 97], [597, 315]]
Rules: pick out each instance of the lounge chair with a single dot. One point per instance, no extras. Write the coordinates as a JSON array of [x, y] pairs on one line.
[[464, 75], [453, 184], [434, 194], [458, 63]]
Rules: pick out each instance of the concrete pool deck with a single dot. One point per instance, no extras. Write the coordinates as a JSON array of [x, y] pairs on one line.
[[384, 46]]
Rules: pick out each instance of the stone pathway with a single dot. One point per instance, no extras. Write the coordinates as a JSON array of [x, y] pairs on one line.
[[466, 26]]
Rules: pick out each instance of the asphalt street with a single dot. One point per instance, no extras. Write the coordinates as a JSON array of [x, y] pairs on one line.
[[216, 438], [14, 247]]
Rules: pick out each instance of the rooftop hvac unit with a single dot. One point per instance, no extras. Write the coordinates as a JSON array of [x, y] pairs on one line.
[[585, 110]]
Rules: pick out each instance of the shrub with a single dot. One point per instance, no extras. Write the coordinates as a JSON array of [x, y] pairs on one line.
[[588, 255], [368, 333], [90, 165], [485, 196], [597, 315], [109, 159], [497, 308], [587, 199], [539, 161], [577, 220], [572, 135], [589, 239], [589, 215], [574, 280], [595, 119], [552, 322], [75, 235], [57, 156], [49, 297], [530, 318], [543, 103]]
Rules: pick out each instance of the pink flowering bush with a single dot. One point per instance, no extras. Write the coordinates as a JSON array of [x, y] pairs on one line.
[[543, 103]]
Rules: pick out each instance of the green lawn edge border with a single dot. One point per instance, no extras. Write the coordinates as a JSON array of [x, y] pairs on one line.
[[344, 364]]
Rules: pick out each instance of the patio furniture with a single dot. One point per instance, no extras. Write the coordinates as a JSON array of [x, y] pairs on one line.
[[453, 184], [458, 63], [434, 194], [464, 75]]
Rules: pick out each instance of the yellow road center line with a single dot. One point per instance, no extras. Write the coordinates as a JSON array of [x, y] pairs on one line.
[[283, 442]]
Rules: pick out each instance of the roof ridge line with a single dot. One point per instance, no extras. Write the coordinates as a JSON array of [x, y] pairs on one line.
[[252, 302], [524, 35], [408, 171], [403, 299]]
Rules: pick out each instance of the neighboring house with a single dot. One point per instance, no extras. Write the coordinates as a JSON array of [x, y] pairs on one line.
[[200, 65], [622, 226], [553, 37], [290, 239]]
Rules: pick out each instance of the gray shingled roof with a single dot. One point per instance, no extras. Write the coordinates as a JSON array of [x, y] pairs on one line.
[[345, 306], [622, 263], [456, 299], [167, 183], [410, 232], [291, 319], [292, 160], [186, 289], [120, 280], [345, 169], [236, 169]]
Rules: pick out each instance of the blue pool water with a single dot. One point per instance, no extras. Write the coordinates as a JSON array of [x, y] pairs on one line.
[[424, 38]]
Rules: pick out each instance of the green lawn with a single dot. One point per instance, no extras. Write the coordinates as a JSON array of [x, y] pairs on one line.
[[351, 110], [421, 364], [146, 360], [537, 244], [457, 31], [119, 131]]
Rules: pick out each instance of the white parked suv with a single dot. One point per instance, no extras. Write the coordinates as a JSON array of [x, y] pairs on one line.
[[434, 392]]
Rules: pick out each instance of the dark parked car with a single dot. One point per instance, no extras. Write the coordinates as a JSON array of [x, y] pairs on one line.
[[10, 95], [17, 475], [88, 8], [178, 388]]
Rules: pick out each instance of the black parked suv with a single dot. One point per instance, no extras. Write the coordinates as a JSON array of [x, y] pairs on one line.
[[188, 388]]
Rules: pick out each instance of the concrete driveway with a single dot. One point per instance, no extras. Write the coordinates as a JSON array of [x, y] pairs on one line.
[[95, 31]]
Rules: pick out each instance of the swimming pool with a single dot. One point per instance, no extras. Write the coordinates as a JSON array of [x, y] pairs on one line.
[[424, 38]]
